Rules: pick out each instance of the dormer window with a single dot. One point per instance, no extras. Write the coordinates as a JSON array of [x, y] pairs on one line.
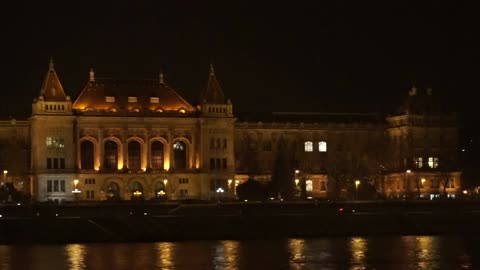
[[110, 99], [182, 111], [54, 91], [132, 99], [154, 100]]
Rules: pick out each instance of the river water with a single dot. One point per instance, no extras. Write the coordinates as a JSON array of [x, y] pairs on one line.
[[392, 252]]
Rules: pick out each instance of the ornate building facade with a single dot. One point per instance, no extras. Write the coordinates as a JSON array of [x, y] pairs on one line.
[[138, 139]]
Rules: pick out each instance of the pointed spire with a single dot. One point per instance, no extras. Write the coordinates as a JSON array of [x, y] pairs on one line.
[[161, 77], [92, 75], [214, 92], [52, 89], [50, 65], [212, 70]]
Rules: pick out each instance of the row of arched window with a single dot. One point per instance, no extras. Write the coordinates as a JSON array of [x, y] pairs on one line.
[[134, 155]]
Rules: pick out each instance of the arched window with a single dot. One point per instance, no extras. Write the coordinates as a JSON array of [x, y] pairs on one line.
[[322, 146], [87, 155], [110, 155], [113, 191], [157, 155], [180, 155], [160, 191], [308, 146], [134, 155], [137, 190]]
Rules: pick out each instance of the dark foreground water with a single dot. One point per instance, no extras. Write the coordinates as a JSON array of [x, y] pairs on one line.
[[395, 252]]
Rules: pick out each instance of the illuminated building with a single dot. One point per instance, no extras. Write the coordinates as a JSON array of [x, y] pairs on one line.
[[127, 139]]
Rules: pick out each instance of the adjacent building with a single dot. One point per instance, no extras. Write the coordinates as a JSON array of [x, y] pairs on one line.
[[139, 139]]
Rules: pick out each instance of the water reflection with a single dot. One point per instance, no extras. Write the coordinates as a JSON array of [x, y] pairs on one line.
[[358, 249], [165, 257], [396, 252], [225, 256], [297, 255], [76, 256]]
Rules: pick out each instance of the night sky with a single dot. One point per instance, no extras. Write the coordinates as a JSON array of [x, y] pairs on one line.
[[357, 56]]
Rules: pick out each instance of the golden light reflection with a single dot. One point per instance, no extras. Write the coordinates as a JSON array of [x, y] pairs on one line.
[[226, 255], [358, 248], [165, 255], [76, 256], [296, 248], [424, 251]]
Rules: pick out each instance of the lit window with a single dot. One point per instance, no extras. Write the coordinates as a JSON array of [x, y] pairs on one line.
[[322, 146], [154, 100], [110, 99], [132, 99], [308, 146], [49, 141], [182, 111], [55, 142], [309, 185], [432, 162], [418, 162]]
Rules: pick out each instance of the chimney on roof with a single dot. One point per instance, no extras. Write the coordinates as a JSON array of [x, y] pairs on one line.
[[92, 75]]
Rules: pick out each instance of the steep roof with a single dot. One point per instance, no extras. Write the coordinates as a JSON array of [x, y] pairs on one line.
[[146, 94], [213, 93], [52, 89]]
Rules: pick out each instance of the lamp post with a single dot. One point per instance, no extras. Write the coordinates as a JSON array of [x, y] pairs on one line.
[[296, 180], [357, 182], [422, 181], [237, 182], [75, 190], [406, 185], [5, 175]]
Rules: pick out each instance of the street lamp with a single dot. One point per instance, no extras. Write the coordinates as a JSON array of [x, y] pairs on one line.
[[420, 186], [406, 185], [237, 182], [75, 190], [5, 175], [357, 182]]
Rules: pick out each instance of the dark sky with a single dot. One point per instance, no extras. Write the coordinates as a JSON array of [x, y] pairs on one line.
[[291, 56]]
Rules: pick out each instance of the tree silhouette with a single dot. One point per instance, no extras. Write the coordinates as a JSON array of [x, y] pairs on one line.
[[282, 172]]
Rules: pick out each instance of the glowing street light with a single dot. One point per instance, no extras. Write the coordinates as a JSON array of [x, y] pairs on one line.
[[406, 185], [357, 182], [75, 190], [5, 175]]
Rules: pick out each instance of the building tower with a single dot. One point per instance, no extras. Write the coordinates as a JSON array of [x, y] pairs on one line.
[[423, 139], [217, 139], [52, 124]]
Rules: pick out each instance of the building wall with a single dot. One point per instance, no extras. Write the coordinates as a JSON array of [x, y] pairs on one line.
[[15, 153]]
